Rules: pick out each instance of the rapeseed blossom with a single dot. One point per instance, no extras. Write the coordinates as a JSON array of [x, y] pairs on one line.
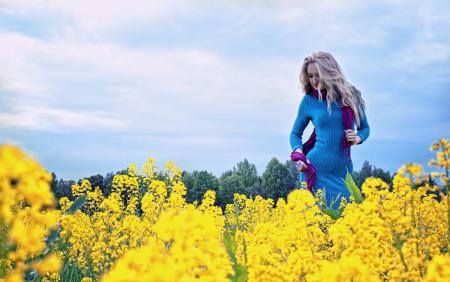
[[26, 214], [146, 231]]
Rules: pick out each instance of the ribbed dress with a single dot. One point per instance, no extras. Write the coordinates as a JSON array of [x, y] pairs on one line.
[[327, 156]]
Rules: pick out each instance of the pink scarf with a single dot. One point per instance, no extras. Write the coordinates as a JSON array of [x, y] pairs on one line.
[[310, 172]]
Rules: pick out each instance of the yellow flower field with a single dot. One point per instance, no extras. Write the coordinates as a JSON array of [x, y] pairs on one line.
[[398, 232]]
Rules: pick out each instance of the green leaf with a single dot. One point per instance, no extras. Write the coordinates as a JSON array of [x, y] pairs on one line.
[[70, 272], [335, 200], [30, 275], [334, 214], [53, 236], [398, 242], [77, 204], [230, 245], [241, 273], [353, 188]]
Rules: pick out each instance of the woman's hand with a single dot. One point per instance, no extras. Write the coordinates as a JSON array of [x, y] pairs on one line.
[[301, 166], [352, 137]]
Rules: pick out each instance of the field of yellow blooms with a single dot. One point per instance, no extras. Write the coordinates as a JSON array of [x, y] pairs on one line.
[[397, 231]]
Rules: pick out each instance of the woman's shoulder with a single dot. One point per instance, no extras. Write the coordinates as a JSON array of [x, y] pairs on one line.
[[307, 98], [307, 95]]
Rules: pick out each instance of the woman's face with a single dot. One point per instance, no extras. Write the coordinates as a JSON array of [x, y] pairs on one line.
[[313, 76]]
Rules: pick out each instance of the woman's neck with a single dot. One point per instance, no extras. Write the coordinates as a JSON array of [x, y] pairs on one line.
[[315, 92]]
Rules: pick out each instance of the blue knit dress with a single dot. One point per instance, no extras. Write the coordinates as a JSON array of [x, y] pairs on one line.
[[327, 155]]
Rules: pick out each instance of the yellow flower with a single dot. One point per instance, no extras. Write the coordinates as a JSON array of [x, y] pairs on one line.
[[414, 169], [398, 233], [439, 269], [52, 263]]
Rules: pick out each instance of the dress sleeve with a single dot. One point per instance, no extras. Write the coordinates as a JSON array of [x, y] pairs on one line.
[[364, 129], [302, 120]]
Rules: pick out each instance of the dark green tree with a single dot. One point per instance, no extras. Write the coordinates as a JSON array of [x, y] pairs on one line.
[[54, 186], [188, 180], [368, 171], [226, 173], [107, 183], [96, 181], [197, 183], [247, 172], [293, 175], [228, 186], [65, 188], [275, 180]]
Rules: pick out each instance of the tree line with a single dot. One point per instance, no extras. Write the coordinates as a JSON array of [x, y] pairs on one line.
[[276, 181]]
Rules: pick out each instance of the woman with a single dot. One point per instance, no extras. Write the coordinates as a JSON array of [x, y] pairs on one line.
[[333, 105]]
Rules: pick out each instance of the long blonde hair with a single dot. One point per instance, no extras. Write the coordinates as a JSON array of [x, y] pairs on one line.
[[333, 80]]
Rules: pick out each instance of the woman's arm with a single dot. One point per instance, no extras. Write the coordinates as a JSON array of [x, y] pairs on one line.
[[302, 120], [364, 129]]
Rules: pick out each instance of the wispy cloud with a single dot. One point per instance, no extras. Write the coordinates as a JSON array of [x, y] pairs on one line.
[[96, 16], [215, 77], [40, 118], [161, 88]]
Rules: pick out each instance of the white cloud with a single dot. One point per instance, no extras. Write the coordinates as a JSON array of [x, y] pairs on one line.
[[18, 72], [423, 52], [98, 15], [292, 11], [162, 88], [59, 119], [78, 78]]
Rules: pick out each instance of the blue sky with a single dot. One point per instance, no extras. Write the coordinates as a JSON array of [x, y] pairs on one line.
[[89, 87]]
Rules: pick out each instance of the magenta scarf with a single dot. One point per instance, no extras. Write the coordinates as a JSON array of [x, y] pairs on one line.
[[310, 172], [347, 117]]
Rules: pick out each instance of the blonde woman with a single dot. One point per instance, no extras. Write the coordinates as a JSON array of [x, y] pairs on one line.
[[333, 106]]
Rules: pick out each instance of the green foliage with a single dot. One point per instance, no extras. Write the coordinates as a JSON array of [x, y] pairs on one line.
[[69, 272], [197, 183], [77, 204], [226, 173], [61, 188], [96, 181], [334, 214], [328, 209], [352, 188], [3, 249], [52, 243], [247, 173], [242, 179], [292, 178], [228, 186], [354, 192], [240, 271], [275, 180], [368, 171]]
